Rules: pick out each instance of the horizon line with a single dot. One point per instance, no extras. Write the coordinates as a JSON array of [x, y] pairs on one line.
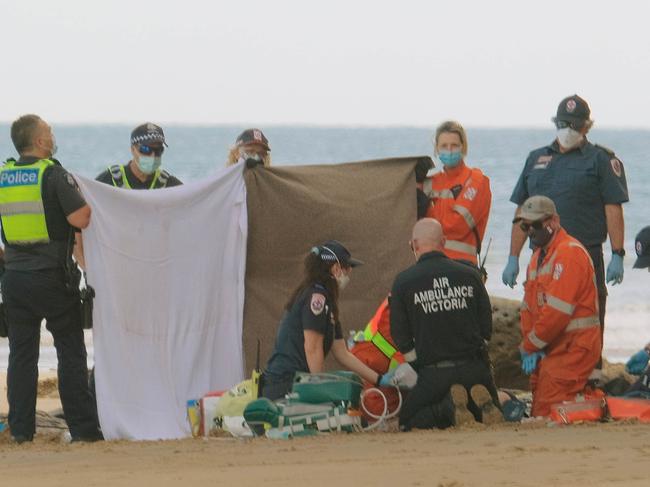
[[328, 125]]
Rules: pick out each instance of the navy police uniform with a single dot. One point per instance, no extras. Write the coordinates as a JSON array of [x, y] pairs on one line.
[[312, 310], [33, 289], [440, 308], [580, 183]]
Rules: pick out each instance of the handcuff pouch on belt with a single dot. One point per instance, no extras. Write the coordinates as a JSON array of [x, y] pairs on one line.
[[4, 329], [86, 295], [70, 267]]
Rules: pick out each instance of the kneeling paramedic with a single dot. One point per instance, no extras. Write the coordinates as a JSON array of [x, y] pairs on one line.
[[560, 324], [441, 320], [40, 205], [310, 327]]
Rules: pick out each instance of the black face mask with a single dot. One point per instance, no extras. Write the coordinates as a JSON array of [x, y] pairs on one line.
[[541, 236]]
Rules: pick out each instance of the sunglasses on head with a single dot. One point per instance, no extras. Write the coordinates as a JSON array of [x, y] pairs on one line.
[[562, 124], [534, 225], [148, 150]]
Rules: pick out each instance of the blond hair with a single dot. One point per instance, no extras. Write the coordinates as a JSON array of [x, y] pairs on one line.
[[453, 127], [233, 156]]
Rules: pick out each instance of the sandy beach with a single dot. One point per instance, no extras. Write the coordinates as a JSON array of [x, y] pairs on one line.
[[48, 394], [523, 454], [609, 454]]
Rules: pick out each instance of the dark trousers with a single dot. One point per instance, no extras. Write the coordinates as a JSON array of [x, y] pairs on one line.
[[275, 388], [30, 297], [428, 404], [596, 254]]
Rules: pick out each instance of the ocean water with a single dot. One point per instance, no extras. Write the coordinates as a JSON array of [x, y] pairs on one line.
[[197, 151]]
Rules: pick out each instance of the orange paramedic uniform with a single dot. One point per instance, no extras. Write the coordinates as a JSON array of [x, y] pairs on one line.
[[460, 201], [559, 315]]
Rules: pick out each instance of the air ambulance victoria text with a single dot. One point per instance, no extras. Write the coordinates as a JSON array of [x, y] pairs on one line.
[[443, 297]]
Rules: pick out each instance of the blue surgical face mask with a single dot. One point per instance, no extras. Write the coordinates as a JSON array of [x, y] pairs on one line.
[[450, 159], [148, 164]]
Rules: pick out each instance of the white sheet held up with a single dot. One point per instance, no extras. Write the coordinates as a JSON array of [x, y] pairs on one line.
[[168, 268]]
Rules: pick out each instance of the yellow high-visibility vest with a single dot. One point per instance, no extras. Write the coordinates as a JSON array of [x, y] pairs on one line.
[[118, 175], [21, 202]]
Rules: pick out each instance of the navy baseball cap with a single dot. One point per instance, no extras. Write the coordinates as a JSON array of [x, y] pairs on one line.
[[148, 133], [573, 110], [252, 136], [335, 251], [642, 247]]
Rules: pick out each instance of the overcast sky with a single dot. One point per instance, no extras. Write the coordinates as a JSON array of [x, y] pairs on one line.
[[485, 63]]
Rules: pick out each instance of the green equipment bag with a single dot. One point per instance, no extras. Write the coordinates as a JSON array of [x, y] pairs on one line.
[[318, 403], [292, 418], [337, 386], [262, 411]]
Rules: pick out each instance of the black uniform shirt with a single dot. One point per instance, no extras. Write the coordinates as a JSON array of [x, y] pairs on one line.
[[61, 197], [134, 182], [440, 307], [580, 183], [310, 311]]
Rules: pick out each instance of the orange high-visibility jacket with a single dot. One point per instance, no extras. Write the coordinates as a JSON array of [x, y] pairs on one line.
[[377, 332], [560, 310], [375, 348], [464, 216]]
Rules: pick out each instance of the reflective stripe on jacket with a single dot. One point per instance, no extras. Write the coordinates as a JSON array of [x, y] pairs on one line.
[[378, 332], [560, 309], [460, 201], [21, 202]]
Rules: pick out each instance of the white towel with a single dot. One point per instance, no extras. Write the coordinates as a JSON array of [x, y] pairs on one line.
[[168, 268]]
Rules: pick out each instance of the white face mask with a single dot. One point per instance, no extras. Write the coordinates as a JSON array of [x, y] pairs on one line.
[[342, 280], [569, 138], [55, 148]]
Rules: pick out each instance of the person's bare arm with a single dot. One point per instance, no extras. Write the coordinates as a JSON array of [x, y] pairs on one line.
[[78, 251], [350, 362], [615, 225], [314, 351], [517, 237], [80, 218]]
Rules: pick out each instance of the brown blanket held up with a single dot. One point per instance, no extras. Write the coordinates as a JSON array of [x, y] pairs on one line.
[[368, 206]]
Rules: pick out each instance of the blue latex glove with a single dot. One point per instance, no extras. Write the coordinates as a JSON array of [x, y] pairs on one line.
[[509, 276], [529, 361], [638, 362], [615, 270], [387, 379]]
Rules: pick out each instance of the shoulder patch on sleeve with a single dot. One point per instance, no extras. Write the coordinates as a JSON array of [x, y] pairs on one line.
[[317, 303], [616, 166], [70, 180]]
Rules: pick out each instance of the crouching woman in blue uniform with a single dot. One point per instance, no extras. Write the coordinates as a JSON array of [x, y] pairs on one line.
[[310, 327]]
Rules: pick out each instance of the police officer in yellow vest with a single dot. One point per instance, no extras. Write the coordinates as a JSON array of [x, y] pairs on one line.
[[40, 207], [143, 171]]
